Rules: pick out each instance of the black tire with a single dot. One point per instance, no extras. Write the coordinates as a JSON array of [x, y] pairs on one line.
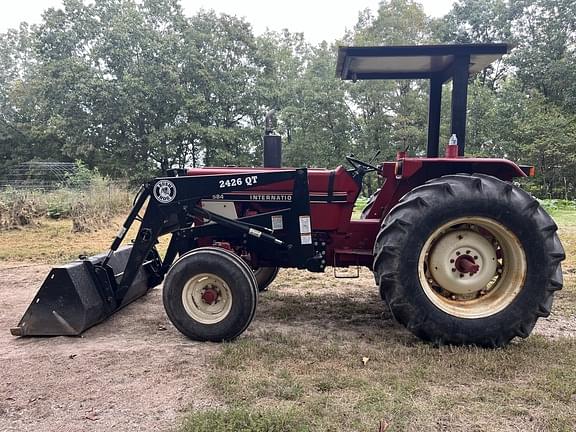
[[369, 204], [265, 276], [403, 269], [233, 281]]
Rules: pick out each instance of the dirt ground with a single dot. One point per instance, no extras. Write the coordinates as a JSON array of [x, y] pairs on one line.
[[134, 372]]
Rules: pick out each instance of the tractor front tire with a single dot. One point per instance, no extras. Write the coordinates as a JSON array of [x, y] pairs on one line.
[[468, 260], [265, 276], [210, 294]]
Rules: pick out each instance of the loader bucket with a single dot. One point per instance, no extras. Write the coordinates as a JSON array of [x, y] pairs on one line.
[[71, 300]]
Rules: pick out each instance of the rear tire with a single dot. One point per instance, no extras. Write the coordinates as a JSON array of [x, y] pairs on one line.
[[265, 276], [210, 294], [468, 260]]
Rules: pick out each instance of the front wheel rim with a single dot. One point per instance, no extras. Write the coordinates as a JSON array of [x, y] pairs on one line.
[[472, 267], [207, 298]]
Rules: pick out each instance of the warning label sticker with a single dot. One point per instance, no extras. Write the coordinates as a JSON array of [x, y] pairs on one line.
[[277, 222], [305, 230]]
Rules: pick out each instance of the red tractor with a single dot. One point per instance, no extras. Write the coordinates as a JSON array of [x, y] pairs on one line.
[[461, 254]]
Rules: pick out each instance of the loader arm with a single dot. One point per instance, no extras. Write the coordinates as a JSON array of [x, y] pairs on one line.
[[78, 295], [177, 209]]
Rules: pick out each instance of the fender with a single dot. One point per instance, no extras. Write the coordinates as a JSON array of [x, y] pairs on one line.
[[406, 173], [503, 169]]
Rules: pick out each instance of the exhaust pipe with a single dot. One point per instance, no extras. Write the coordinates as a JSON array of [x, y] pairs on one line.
[[272, 143]]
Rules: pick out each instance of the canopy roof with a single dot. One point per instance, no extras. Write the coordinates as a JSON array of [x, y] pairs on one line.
[[413, 62]]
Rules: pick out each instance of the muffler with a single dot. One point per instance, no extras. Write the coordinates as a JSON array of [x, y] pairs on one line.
[[80, 294]]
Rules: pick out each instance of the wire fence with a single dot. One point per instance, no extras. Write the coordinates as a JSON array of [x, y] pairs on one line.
[[39, 175], [32, 178]]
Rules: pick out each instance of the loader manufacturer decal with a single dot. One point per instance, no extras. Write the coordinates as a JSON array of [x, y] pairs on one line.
[[269, 197], [277, 197], [164, 191], [239, 181]]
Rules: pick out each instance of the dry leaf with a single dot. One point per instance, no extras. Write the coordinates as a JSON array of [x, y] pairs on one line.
[[383, 426]]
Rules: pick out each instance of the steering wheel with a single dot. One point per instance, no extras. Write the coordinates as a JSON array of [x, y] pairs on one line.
[[357, 163]]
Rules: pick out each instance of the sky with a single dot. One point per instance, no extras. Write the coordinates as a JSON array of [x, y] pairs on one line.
[[307, 16]]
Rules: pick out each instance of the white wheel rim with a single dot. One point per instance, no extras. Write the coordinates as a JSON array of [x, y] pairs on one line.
[[472, 267], [207, 298]]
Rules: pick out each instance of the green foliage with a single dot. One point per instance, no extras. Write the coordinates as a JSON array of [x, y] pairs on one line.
[[557, 204], [133, 88], [522, 108], [83, 177]]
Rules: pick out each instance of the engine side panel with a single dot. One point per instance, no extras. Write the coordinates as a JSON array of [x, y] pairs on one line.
[[332, 195]]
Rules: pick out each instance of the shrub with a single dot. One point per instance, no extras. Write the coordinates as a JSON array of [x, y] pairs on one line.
[[558, 204], [95, 206], [88, 198], [18, 209]]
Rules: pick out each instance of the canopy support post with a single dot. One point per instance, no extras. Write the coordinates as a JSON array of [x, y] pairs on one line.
[[434, 111], [460, 99]]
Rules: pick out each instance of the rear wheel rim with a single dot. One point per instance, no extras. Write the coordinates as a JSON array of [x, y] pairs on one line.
[[207, 298], [472, 267]]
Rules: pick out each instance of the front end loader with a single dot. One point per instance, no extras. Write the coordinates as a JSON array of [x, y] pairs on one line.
[[461, 255]]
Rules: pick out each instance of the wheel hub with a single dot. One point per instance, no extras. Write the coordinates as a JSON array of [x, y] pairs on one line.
[[209, 296], [466, 264], [463, 262]]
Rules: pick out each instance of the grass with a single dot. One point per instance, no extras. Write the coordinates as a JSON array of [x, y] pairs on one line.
[[405, 384], [52, 241], [302, 359], [242, 419], [300, 365]]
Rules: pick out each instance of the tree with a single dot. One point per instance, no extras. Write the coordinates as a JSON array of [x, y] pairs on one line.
[[545, 57], [134, 88], [391, 114]]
